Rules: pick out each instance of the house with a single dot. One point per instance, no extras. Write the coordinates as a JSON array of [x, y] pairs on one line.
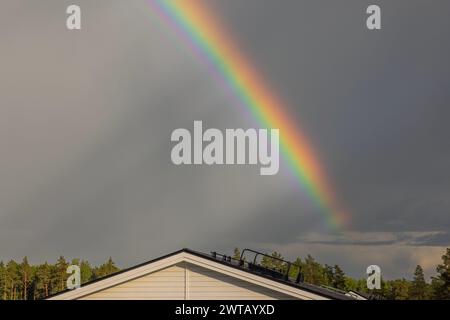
[[191, 275]]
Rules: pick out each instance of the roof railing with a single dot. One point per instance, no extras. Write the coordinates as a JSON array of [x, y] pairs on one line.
[[282, 272]]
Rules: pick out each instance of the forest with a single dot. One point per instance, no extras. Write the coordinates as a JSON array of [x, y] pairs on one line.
[[438, 288], [23, 281]]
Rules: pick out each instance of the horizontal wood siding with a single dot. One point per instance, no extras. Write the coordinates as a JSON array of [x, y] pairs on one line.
[[168, 283], [207, 284], [187, 281]]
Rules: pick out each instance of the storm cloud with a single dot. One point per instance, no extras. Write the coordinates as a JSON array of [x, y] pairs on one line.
[[86, 118]]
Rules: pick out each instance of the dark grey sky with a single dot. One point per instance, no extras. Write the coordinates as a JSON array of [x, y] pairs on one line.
[[86, 118]]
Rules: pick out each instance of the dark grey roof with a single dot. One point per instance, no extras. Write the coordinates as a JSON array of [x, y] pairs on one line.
[[328, 293]]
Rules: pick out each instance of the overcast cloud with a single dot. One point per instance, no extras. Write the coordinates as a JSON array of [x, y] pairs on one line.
[[86, 119]]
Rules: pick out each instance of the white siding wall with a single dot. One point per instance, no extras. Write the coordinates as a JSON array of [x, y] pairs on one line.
[[187, 281], [167, 284], [209, 285]]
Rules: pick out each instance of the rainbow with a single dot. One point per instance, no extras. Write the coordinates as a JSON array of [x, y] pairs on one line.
[[203, 32]]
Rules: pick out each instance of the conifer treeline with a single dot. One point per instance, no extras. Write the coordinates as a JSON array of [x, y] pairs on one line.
[[399, 289], [22, 281]]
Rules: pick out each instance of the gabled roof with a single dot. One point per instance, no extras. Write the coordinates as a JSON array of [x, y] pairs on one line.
[[296, 290]]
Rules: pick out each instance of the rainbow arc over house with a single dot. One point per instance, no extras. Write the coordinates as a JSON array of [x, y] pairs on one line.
[[196, 23]]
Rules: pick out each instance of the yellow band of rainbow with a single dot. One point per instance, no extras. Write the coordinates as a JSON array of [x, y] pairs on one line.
[[202, 29]]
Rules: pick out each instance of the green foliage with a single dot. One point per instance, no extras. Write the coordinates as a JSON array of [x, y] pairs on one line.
[[357, 285], [271, 263], [338, 278], [25, 274], [398, 289], [297, 266], [12, 280], [59, 275], [314, 272], [108, 267], [43, 280], [86, 272], [419, 288], [2, 281], [24, 281], [236, 254], [441, 283]]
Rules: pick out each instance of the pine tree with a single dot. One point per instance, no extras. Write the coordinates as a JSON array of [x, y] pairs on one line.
[[269, 262], [328, 275], [43, 280], [59, 275], [418, 289], [25, 276], [105, 269], [85, 271], [236, 254], [296, 268], [441, 283], [12, 280], [395, 289], [111, 267], [2, 281], [313, 271], [338, 278], [357, 285]]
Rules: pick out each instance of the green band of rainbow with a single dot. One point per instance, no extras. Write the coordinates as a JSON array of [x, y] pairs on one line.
[[203, 31]]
